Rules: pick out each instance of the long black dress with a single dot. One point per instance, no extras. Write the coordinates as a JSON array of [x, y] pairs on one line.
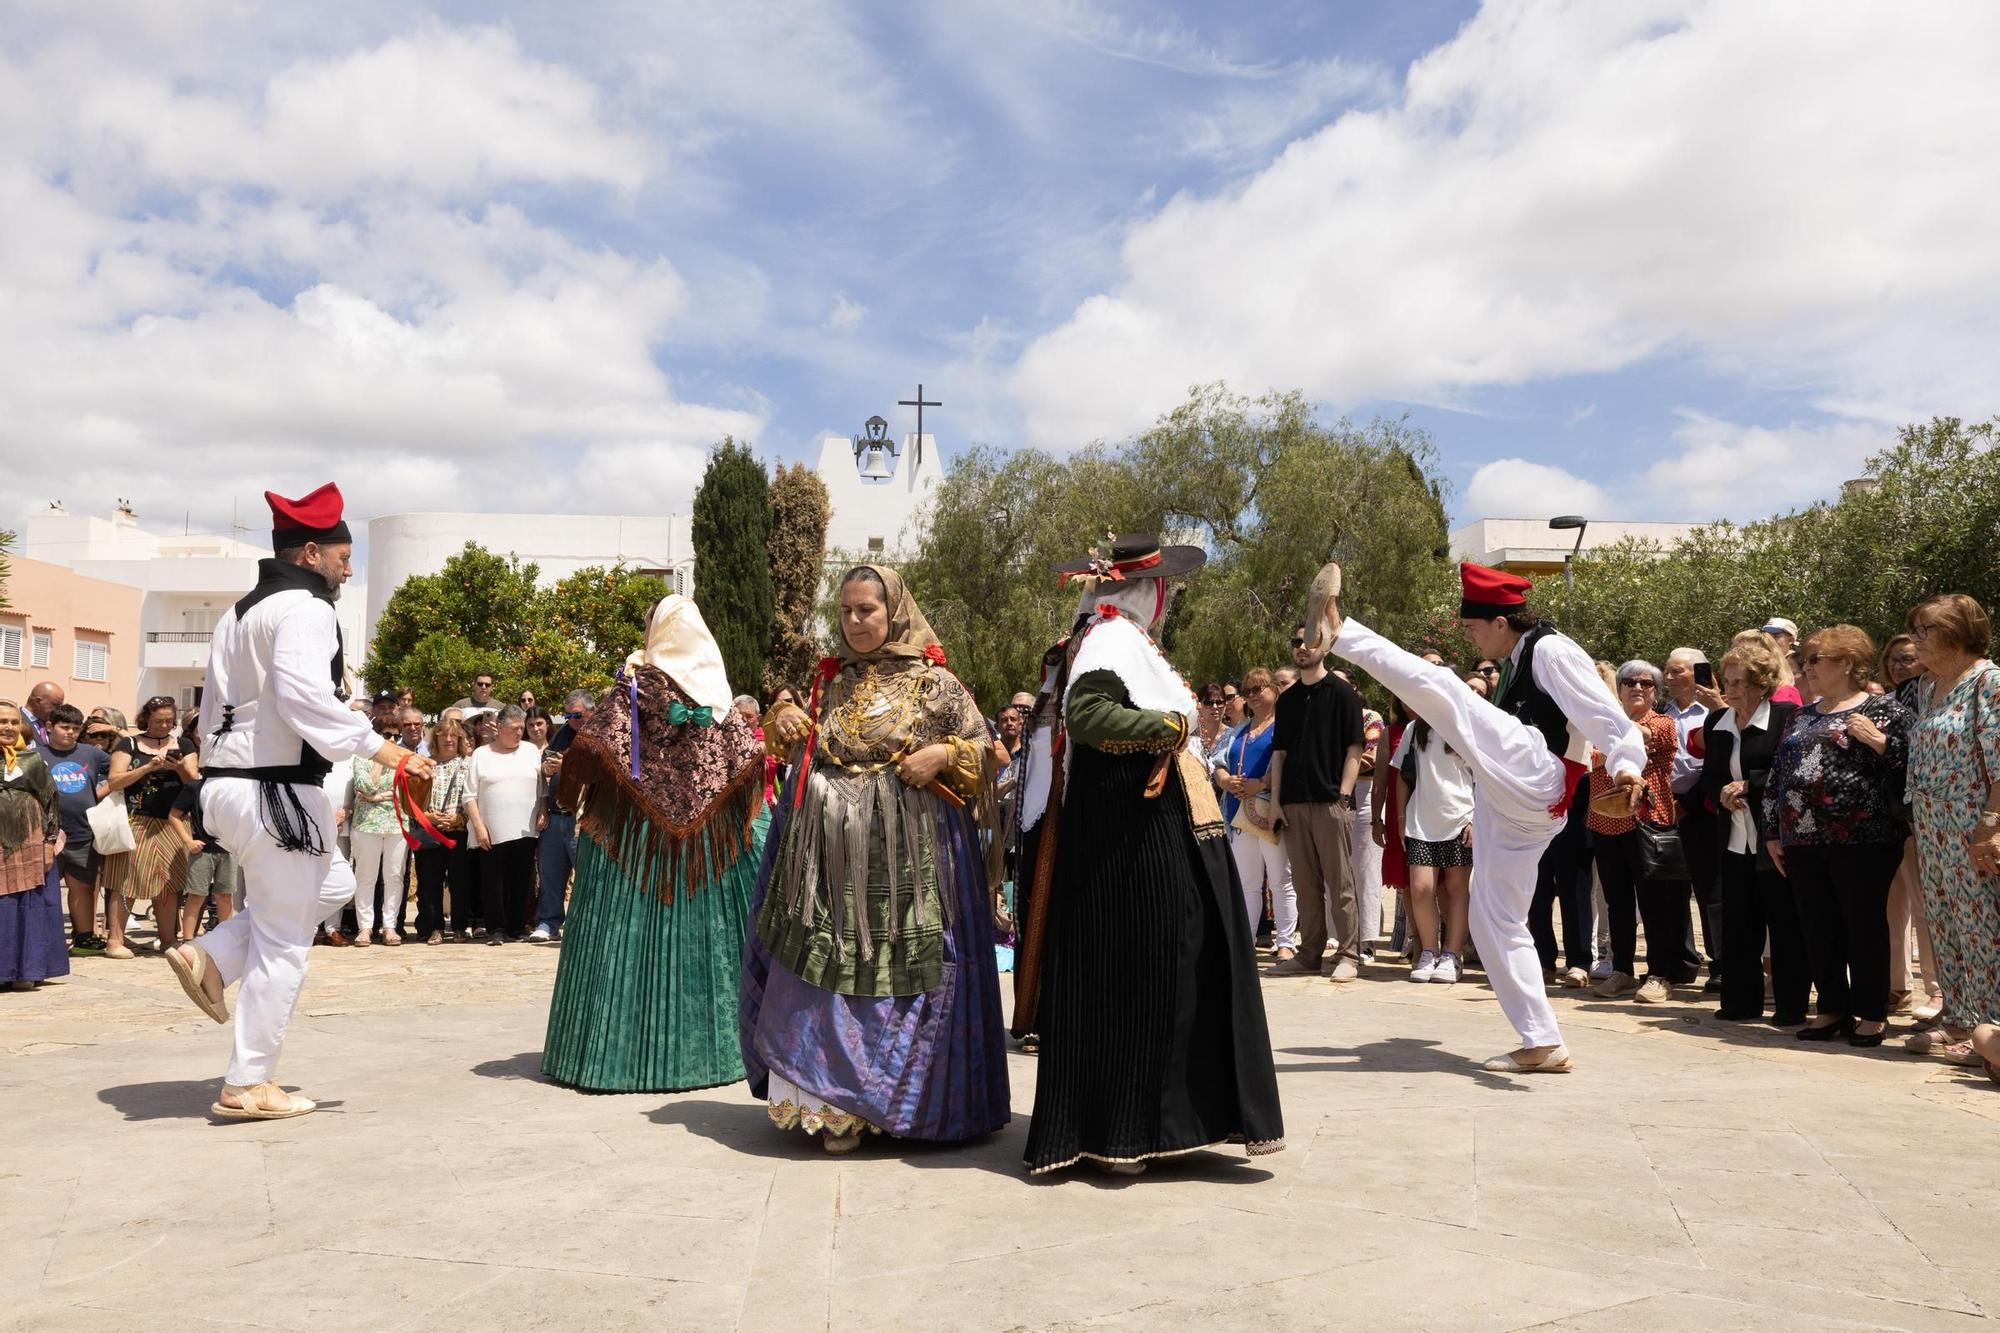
[[1153, 1035]]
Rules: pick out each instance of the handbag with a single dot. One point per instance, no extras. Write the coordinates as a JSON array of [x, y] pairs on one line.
[[110, 826], [1661, 855], [1242, 823]]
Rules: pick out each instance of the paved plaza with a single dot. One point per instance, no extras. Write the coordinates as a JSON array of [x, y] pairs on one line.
[[1688, 1176]]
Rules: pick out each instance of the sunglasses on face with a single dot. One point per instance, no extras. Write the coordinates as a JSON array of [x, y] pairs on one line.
[[572, 717], [1814, 659], [1636, 682], [1298, 643], [1487, 669]]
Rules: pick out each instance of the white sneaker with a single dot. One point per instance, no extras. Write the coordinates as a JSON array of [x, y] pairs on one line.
[[1446, 972], [539, 935], [1601, 970], [1426, 966]]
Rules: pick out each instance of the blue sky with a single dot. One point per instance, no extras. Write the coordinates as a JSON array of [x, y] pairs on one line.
[[1655, 260]]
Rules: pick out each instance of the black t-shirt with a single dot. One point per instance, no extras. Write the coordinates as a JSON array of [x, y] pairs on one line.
[[1314, 726], [557, 744], [188, 802], [77, 773], [153, 797]]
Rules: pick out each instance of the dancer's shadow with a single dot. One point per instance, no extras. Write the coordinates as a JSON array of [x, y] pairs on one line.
[[527, 1067], [177, 1099], [748, 1130], [1399, 1055]]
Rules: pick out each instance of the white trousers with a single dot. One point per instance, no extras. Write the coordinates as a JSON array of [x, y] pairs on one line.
[[1367, 861], [265, 945], [378, 856], [1517, 781], [1259, 865]]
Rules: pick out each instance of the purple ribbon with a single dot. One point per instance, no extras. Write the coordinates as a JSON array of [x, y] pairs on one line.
[[633, 679]]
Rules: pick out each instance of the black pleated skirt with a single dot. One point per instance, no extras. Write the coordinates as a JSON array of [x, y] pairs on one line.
[[1152, 1026]]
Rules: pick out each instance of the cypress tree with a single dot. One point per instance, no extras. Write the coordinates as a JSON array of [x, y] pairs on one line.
[[732, 571], [799, 515]]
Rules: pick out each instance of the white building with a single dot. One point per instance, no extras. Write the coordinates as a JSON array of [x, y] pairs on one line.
[[877, 518], [186, 581], [402, 545], [1530, 546]]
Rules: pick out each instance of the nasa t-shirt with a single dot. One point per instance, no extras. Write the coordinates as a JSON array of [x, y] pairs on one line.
[[77, 773]]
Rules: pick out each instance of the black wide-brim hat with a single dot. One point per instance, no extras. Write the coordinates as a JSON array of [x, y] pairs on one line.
[[1135, 555]]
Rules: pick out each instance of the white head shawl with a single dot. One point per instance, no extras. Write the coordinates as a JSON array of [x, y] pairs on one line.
[[679, 644], [1122, 645]]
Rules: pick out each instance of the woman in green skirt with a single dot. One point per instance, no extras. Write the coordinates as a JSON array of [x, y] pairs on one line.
[[667, 781]]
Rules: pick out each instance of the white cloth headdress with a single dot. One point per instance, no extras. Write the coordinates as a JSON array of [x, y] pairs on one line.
[[679, 644]]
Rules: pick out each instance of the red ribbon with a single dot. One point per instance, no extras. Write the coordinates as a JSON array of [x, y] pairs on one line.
[[405, 800], [829, 667]]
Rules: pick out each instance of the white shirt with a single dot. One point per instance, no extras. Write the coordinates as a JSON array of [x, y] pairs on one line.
[[1742, 826], [274, 669], [504, 786], [1568, 676], [1687, 721], [1441, 803]]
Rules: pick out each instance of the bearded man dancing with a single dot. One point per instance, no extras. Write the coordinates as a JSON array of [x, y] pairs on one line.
[[1526, 749], [273, 724]]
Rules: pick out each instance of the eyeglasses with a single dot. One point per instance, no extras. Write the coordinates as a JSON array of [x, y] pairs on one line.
[[1639, 681], [572, 717], [1921, 631], [483, 684], [1814, 659], [1487, 669], [1298, 643]]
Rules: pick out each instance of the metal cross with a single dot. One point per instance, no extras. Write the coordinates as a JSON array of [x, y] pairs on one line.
[[920, 403]]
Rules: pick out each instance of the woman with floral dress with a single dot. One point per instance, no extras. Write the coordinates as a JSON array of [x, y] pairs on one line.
[[1954, 764]]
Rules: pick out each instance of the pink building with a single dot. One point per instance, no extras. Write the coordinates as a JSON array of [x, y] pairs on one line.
[[82, 633]]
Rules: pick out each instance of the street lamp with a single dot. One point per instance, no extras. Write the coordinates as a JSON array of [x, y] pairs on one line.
[[1563, 523]]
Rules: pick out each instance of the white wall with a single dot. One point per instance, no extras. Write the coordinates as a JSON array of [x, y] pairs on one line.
[[868, 511]]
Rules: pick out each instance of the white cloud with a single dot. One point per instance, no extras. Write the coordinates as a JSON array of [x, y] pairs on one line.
[[1518, 488], [1727, 470], [210, 288], [846, 315], [1567, 188]]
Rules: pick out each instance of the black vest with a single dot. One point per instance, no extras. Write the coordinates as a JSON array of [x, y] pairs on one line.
[[1528, 701]]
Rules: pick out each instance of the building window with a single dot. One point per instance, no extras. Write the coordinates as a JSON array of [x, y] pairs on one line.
[[41, 645], [92, 660], [874, 546], [10, 646]]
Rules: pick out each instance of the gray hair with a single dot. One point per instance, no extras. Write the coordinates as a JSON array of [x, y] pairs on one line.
[[1691, 656], [1640, 665], [510, 713], [742, 699], [579, 699]]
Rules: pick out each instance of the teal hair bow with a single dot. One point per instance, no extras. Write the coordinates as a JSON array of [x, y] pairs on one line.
[[679, 715]]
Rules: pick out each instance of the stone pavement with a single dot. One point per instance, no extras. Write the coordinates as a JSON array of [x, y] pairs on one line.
[[1688, 1176]]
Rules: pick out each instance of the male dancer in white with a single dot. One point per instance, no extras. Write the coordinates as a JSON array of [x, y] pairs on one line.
[[272, 725], [1525, 754]]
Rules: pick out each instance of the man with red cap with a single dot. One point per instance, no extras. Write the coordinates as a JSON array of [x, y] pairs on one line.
[[274, 721], [1526, 748]]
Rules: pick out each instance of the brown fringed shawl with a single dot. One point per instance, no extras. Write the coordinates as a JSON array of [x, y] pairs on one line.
[[687, 816]]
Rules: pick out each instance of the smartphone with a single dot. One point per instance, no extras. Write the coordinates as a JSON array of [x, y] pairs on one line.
[[1704, 675]]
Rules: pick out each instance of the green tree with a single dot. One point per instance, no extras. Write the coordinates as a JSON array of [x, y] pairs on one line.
[[484, 612], [732, 526], [800, 512], [1922, 522], [480, 602], [6, 566]]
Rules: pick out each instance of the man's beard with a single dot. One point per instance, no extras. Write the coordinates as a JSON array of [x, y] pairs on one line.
[[333, 583]]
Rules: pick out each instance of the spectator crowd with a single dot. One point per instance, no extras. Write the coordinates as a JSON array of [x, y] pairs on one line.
[[1815, 844]]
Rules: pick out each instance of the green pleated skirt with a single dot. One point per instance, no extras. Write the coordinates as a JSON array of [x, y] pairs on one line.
[[645, 997]]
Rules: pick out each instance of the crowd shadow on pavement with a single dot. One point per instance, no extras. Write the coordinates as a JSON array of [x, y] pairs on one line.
[[1397, 1055]]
